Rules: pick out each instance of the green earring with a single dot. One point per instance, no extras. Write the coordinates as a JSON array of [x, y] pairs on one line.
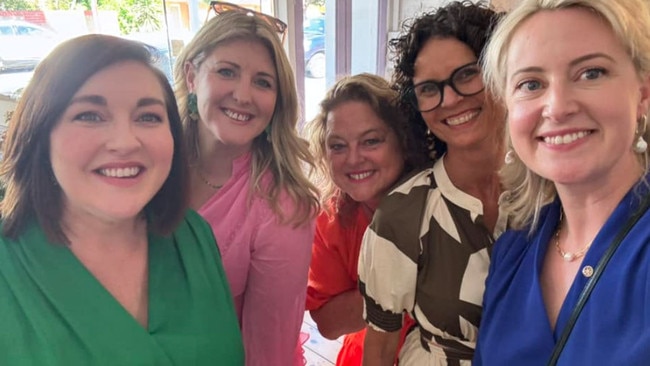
[[267, 129], [192, 107]]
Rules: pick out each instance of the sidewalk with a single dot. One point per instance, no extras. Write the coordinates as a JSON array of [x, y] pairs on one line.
[[318, 350]]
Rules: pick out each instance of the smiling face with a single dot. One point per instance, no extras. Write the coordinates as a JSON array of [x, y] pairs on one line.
[[459, 121], [363, 153], [236, 87], [573, 96], [112, 148]]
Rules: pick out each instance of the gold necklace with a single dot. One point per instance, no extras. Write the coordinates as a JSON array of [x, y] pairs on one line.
[[568, 256], [206, 181]]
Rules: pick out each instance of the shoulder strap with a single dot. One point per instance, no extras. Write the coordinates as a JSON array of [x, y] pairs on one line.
[[589, 287]]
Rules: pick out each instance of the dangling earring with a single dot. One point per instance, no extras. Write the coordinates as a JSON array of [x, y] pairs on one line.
[[431, 144], [641, 146], [192, 107], [267, 129], [510, 157]]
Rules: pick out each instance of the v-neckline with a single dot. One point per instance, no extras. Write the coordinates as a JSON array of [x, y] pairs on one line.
[[56, 262], [600, 244]]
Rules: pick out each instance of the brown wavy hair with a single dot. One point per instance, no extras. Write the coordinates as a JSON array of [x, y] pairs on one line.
[[382, 99]]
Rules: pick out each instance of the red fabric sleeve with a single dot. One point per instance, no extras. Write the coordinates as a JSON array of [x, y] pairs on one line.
[[335, 256]]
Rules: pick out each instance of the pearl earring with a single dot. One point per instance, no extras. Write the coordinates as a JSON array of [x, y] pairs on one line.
[[510, 157], [641, 146]]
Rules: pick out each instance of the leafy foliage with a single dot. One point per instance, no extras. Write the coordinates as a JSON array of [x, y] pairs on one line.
[[132, 15], [60, 4], [18, 5], [147, 15]]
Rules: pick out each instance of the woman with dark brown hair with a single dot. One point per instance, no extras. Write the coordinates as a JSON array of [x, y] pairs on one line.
[[100, 261], [427, 250]]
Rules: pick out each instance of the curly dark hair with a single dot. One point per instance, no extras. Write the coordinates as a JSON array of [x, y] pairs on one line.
[[469, 23]]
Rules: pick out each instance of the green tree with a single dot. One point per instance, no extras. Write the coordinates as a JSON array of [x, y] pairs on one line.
[[132, 15], [314, 2], [18, 5], [60, 4], [147, 15]]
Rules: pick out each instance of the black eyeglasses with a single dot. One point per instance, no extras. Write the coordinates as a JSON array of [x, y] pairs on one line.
[[220, 7], [465, 80]]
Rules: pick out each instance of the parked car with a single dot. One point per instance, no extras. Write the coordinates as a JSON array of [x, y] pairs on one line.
[[13, 84], [314, 44], [23, 45], [314, 25], [158, 45]]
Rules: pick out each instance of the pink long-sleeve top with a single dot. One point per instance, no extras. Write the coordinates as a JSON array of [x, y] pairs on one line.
[[266, 264]]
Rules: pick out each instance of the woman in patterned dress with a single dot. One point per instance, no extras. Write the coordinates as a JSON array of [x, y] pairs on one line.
[[427, 250]]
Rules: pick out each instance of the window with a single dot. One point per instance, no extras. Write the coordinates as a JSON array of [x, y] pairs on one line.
[[315, 25], [28, 31], [6, 31]]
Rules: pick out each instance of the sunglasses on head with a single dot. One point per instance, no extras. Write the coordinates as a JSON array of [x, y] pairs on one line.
[[220, 7]]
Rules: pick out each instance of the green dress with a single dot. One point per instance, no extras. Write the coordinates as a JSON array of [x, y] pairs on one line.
[[54, 312]]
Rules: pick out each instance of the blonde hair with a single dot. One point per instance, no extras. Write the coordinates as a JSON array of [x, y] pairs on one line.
[[382, 99], [286, 154], [629, 19]]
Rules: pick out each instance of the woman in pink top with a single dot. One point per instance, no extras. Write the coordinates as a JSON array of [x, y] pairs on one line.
[[236, 95]]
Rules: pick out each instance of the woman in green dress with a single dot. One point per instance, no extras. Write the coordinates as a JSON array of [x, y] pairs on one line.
[[100, 262]]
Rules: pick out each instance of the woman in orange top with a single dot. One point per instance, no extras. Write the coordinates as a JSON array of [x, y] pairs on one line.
[[360, 140]]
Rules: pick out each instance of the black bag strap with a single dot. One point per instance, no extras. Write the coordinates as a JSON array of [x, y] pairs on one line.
[[589, 287]]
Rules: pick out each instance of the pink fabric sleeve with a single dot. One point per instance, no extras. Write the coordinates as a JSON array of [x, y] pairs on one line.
[[274, 302]]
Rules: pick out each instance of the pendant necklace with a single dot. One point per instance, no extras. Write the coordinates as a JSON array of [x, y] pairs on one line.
[[568, 256]]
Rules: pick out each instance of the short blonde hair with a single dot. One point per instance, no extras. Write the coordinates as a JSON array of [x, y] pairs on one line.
[[630, 22], [286, 154]]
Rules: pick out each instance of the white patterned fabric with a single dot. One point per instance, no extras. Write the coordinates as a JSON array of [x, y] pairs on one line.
[[426, 253]]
